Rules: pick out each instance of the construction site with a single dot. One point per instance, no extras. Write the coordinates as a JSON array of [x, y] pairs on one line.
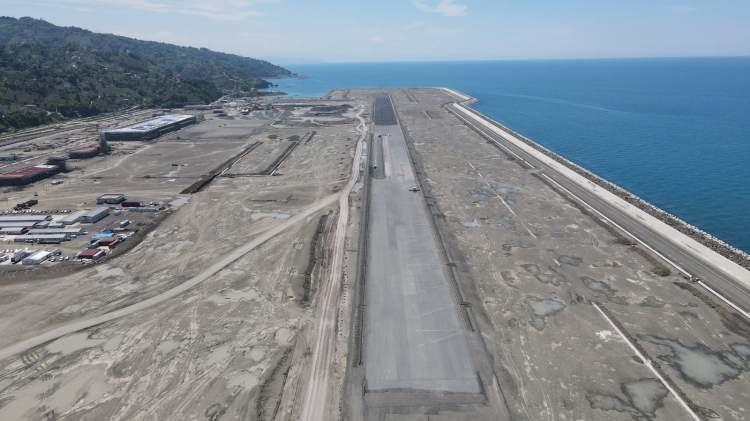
[[372, 255]]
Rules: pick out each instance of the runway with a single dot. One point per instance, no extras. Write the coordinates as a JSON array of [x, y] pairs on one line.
[[414, 337]]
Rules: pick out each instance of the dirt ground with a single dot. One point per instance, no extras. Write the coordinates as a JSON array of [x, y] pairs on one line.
[[246, 301], [224, 348]]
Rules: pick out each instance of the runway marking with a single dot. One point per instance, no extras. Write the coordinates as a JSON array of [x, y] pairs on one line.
[[474, 168], [385, 150], [647, 362], [502, 200], [443, 339]]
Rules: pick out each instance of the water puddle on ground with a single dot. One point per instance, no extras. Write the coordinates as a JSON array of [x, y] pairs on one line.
[[570, 260], [701, 365], [543, 308], [603, 290], [642, 398], [546, 276]]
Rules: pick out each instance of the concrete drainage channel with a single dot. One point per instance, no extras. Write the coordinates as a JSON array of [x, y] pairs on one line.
[[273, 167], [208, 178]]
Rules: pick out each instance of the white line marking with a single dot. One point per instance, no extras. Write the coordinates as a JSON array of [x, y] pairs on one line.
[[647, 363], [503, 147], [601, 215], [722, 298], [502, 200], [686, 273], [675, 265], [690, 245]]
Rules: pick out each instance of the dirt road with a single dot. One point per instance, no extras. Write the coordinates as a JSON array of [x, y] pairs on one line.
[[179, 289], [318, 385]]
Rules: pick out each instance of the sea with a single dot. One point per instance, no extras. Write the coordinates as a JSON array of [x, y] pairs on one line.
[[674, 131]]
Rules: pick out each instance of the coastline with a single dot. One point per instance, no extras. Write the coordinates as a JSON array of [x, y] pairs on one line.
[[734, 254]]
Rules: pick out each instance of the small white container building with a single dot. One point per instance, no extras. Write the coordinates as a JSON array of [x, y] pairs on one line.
[[74, 217], [25, 218], [13, 230], [41, 238], [67, 231], [95, 215]]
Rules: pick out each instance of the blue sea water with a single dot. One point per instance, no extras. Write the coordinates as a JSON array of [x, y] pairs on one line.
[[673, 131]]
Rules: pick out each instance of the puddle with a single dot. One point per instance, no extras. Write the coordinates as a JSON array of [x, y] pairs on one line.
[[275, 215], [700, 365], [733, 321], [642, 398], [472, 224], [490, 190], [548, 276], [510, 246], [688, 315], [509, 277], [607, 264], [742, 350], [570, 260], [603, 289], [652, 301], [543, 308]]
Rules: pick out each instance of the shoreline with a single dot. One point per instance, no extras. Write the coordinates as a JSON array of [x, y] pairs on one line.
[[726, 250]]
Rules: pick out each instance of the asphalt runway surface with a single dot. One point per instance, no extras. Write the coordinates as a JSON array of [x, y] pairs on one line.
[[414, 339]]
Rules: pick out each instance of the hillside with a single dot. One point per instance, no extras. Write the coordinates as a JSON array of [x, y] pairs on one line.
[[49, 73]]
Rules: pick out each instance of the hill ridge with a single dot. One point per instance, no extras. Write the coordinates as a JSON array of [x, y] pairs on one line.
[[49, 73]]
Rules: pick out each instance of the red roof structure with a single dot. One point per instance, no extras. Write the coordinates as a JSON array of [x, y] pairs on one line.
[[107, 242], [27, 175], [90, 253]]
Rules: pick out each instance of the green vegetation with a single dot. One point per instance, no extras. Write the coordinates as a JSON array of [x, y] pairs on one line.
[[49, 73]]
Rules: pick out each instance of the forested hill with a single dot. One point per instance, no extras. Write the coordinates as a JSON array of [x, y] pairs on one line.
[[49, 73]]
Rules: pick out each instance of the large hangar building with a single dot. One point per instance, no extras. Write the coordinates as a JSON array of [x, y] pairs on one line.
[[150, 129]]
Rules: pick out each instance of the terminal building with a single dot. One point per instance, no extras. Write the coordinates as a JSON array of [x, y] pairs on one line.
[[150, 129]]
